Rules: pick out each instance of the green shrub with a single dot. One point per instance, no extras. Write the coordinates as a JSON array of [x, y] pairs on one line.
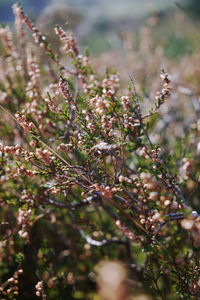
[[86, 175]]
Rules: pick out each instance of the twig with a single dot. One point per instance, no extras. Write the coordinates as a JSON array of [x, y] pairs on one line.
[[103, 242]]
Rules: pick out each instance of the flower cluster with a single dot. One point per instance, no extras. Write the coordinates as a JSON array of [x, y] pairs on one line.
[[187, 167], [23, 171], [64, 89], [52, 106], [28, 126], [110, 84], [40, 289], [126, 102], [127, 232], [100, 104], [13, 289], [68, 40], [32, 89], [65, 147], [22, 16], [23, 220], [165, 93], [106, 191], [7, 39], [192, 225], [44, 155], [11, 149]]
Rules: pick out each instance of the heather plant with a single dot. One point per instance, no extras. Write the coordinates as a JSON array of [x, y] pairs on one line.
[[86, 174]]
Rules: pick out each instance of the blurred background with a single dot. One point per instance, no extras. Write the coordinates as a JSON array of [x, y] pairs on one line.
[[104, 25]]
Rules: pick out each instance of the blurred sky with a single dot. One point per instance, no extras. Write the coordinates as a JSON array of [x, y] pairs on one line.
[[112, 9]]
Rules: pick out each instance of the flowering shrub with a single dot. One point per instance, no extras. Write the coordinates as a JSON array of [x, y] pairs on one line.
[[86, 175]]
